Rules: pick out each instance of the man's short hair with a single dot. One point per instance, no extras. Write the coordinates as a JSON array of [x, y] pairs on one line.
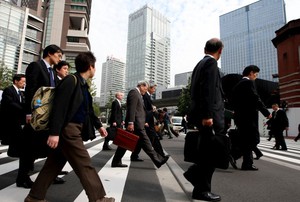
[[59, 65], [84, 60], [142, 83], [51, 49], [118, 93], [152, 84], [18, 77], [213, 45], [249, 69]]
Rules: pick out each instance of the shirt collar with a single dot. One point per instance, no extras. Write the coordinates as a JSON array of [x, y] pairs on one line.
[[16, 88], [46, 63], [138, 90]]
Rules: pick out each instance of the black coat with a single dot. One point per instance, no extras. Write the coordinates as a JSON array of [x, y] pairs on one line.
[[207, 94], [116, 114], [12, 115]]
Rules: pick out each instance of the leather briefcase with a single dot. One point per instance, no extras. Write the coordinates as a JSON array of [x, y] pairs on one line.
[[125, 139]]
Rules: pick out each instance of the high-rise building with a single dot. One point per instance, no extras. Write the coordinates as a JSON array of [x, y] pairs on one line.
[[182, 79], [67, 26], [112, 79], [21, 33], [148, 48], [247, 33]]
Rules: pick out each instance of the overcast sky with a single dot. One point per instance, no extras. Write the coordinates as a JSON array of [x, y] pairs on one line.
[[193, 22]]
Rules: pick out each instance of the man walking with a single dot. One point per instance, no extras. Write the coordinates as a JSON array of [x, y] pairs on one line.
[[207, 114]]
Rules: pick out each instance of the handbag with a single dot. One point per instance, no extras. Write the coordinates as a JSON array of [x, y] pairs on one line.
[[88, 130], [210, 147], [126, 139]]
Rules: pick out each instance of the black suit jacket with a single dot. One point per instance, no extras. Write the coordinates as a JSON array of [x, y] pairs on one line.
[[37, 75], [12, 115], [116, 114], [67, 100], [207, 94], [279, 121], [135, 111], [149, 110]]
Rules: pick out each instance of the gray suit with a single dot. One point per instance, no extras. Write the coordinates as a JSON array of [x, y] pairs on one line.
[[136, 114]]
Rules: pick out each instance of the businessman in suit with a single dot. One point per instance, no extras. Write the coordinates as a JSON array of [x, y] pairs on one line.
[[115, 119], [149, 126], [207, 114], [39, 73], [280, 122], [135, 122], [246, 103], [68, 115], [12, 114]]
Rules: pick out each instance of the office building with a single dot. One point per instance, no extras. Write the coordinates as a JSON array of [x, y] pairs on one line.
[[148, 48], [67, 25], [247, 33], [112, 79], [182, 79], [21, 33]]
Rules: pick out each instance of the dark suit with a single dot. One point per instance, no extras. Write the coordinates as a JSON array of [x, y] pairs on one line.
[[279, 122], [116, 116], [206, 103], [247, 103], [136, 114], [37, 75], [12, 117], [150, 130], [70, 99]]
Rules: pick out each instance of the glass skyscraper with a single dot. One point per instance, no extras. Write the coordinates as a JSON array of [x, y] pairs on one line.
[[148, 48], [247, 33]]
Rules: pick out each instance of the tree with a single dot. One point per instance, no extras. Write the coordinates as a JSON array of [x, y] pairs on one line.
[[6, 76], [185, 100]]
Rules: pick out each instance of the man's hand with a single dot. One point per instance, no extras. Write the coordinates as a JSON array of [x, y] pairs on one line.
[[52, 141], [270, 116], [130, 127], [114, 124], [103, 132], [207, 122]]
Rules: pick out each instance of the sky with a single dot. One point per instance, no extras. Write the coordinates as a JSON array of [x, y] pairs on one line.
[[193, 22]]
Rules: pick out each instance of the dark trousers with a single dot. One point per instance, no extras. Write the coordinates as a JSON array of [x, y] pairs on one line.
[[154, 139], [71, 149], [279, 139], [145, 144]]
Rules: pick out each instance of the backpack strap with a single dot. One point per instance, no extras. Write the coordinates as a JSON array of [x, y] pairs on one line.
[[75, 79]]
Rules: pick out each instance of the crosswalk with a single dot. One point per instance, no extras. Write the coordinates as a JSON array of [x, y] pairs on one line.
[[164, 184]]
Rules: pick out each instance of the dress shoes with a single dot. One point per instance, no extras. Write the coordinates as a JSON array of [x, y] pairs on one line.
[[58, 180], [63, 172], [120, 165], [27, 184], [258, 156], [105, 199], [249, 168], [285, 149], [30, 199], [106, 148], [206, 196], [136, 159], [158, 165]]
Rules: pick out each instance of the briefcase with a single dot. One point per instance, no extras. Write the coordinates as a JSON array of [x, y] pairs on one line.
[[125, 139]]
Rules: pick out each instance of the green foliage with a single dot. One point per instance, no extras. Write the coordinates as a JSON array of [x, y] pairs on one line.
[[6, 76], [92, 88], [110, 100], [185, 100], [96, 108]]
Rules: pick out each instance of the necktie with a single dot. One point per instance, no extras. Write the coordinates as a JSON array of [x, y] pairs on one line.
[[20, 96], [51, 75]]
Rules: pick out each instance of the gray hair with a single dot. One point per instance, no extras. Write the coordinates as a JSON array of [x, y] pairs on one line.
[[142, 83]]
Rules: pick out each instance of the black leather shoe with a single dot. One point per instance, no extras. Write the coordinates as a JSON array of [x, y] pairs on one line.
[[25, 185], [258, 156], [206, 196], [158, 165], [106, 148], [136, 159], [120, 165], [63, 172], [59, 180], [249, 168]]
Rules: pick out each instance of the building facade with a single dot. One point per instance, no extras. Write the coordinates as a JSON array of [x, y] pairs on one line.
[[148, 48], [182, 79], [21, 35], [67, 25], [112, 79], [247, 33]]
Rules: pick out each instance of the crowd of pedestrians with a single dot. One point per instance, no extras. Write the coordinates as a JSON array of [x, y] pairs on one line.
[[72, 106]]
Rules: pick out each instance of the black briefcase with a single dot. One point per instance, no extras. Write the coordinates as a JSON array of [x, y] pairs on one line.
[[111, 132]]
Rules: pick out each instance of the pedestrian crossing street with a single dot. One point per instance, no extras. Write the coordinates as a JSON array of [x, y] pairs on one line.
[[118, 182]]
